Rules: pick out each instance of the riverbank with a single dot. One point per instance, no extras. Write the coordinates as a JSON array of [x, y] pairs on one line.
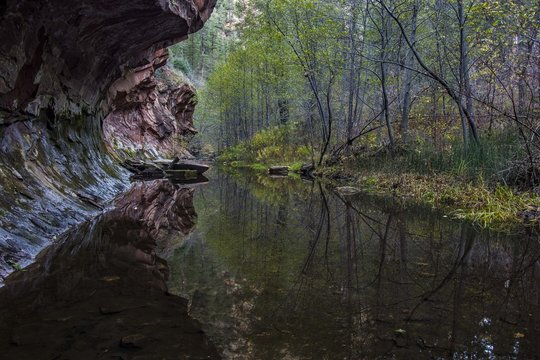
[[485, 184], [492, 206], [487, 205]]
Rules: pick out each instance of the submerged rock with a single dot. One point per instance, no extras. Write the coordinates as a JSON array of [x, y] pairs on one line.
[[348, 190]]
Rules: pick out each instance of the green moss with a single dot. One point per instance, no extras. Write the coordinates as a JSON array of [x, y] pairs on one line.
[[259, 167], [296, 166]]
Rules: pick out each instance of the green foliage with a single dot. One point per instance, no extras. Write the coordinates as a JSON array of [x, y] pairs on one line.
[[315, 60], [494, 208], [234, 153], [199, 54], [277, 145], [488, 206]]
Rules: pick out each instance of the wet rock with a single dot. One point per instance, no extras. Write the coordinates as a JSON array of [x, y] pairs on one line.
[[26, 194], [307, 171], [90, 199], [17, 174], [149, 172], [134, 165], [279, 170]]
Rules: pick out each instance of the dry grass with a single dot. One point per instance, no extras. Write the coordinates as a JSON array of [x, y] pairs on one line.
[[496, 208]]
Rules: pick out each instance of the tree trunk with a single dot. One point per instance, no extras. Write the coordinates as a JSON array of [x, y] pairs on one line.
[[385, 109], [455, 97], [404, 126], [465, 82], [352, 69]]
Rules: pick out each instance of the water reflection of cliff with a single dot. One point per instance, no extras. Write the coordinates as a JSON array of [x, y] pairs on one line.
[[291, 273], [101, 291]]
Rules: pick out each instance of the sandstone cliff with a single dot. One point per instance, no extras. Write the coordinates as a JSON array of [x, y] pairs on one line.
[[152, 112], [65, 66]]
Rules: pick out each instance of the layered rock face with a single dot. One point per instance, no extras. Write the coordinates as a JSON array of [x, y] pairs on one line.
[[152, 112], [64, 66], [51, 178], [63, 55]]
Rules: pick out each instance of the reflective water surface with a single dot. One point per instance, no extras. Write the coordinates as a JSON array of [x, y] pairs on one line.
[[100, 292], [285, 269], [253, 267]]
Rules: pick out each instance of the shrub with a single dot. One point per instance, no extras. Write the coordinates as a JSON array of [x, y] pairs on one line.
[[269, 147]]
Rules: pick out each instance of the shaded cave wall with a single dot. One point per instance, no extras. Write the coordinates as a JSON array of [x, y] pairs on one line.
[[64, 56], [62, 65]]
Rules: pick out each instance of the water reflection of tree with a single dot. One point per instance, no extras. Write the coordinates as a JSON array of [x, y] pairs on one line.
[[342, 277], [454, 278]]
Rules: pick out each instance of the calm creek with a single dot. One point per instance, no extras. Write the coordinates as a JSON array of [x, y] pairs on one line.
[[253, 267]]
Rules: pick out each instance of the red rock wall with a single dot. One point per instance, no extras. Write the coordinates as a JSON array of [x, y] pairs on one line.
[[65, 65], [152, 112]]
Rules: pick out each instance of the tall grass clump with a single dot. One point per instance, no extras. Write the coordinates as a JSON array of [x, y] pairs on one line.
[[483, 160]]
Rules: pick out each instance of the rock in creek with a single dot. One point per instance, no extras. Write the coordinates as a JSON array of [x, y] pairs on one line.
[[307, 171], [176, 170], [279, 170]]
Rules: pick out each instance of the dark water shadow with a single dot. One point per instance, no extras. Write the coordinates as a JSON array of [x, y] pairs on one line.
[[101, 291]]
